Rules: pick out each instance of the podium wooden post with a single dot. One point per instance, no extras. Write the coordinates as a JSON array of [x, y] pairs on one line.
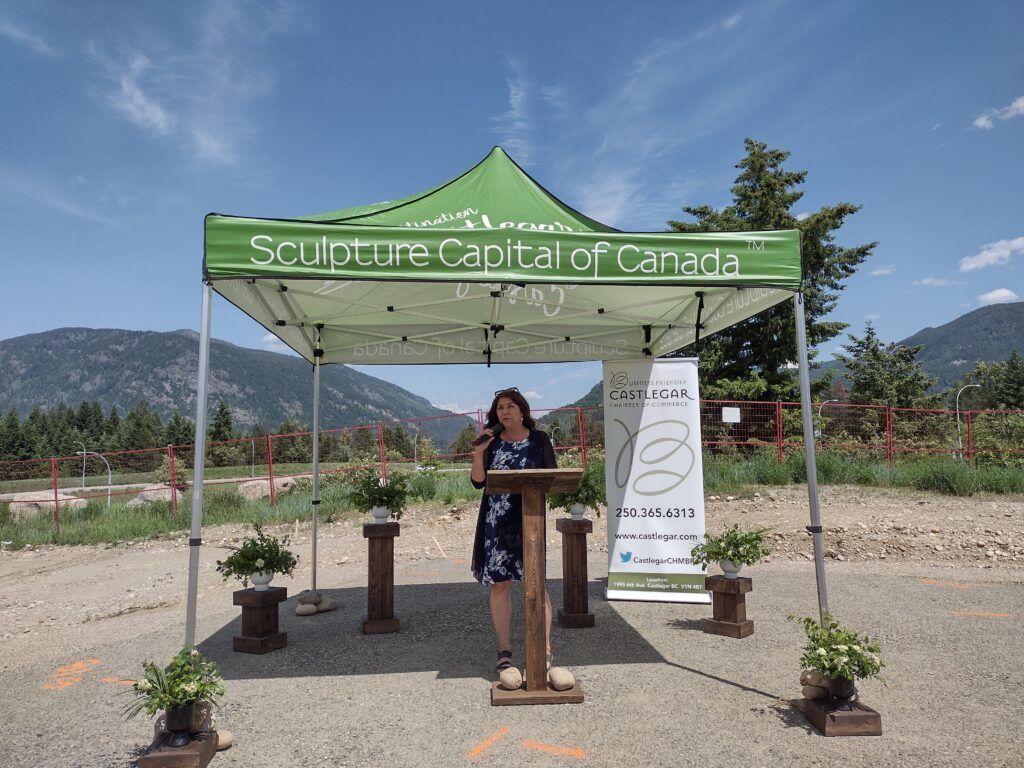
[[533, 484]]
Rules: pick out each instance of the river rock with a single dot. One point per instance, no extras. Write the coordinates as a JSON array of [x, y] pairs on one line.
[[204, 719], [305, 609], [308, 597], [31, 503], [510, 679], [561, 679], [813, 677], [150, 494], [260, 489], [814, 692], [224, 739], [326, 604]]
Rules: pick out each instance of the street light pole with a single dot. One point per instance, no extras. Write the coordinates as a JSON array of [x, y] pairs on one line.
[[821, 429], [110, 481], [959, 443], [82, 453]]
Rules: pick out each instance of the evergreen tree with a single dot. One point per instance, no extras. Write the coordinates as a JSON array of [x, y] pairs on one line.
[[222, 426], [179, 431], [112, 431], [10, 437], [1011, 388], [464, 441], [398, 439], [143, 428], [885, 374], [763, 198]]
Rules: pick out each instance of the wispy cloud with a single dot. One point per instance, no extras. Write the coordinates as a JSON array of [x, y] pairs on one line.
[[17, 188], [995, 254], [23, 37], [513, 127], [936, 126], [998, 296], [732, 21], [533, 394], [933, 281], [271, 343], [986, 120], [202, 97], [888, 269], [871, 317], [131, 101]]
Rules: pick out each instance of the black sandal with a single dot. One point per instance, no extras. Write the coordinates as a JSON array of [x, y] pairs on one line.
[[504, 661]]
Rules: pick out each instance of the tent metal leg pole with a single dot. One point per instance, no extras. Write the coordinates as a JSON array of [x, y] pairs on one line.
[[315, 503], [811, 462], [199, 460]]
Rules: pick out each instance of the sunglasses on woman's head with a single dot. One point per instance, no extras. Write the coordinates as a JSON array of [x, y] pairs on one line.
[[506, 390]]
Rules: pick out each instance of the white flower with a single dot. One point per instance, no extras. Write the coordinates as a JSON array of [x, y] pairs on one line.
[[822, 652], [855, 648], [841, 648], [259, 564]]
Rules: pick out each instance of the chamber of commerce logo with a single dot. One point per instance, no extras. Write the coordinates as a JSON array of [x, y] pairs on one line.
[[618, 380], [626, 556], [661, 440]]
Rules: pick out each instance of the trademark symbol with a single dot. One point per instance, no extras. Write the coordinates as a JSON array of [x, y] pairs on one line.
[[755, 245]]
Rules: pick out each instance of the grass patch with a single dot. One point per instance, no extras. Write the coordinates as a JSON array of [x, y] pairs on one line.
[[723, 474]]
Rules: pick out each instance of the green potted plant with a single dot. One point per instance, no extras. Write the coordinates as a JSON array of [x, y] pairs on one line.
[[190, 678], [589, 494], [258, 559], [732, 549], [841, 655], [382, 498]]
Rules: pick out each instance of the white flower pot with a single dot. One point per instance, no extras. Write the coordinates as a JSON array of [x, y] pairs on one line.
[[380, 514], [578, 511], [261, 580], [729, 568]]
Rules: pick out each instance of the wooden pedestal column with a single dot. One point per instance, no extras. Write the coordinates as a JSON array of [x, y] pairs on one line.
[[380, 607], [575, 610], [260, 632], [728, 606], [532, 484]]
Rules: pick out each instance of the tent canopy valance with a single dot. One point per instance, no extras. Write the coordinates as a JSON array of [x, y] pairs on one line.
[[490, 267]]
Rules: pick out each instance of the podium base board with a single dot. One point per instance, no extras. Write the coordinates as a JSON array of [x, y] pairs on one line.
[[736, 629], [501, 697]]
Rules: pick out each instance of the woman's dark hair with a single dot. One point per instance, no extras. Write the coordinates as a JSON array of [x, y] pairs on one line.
[[518, 399]]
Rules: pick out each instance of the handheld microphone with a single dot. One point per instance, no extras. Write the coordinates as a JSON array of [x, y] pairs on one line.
[[497, 429]]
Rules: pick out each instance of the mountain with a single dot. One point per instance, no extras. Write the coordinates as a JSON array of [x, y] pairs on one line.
[[120, 368], [989, 334]]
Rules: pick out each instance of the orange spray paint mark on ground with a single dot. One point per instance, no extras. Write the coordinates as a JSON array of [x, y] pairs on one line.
[[487, 743], [116, 681], [552, 749], [69, 674]]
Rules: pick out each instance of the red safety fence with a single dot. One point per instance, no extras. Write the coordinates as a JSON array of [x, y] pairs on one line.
[[261, 467]]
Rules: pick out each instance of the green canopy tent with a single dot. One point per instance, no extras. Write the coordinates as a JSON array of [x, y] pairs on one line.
[[489, 268]]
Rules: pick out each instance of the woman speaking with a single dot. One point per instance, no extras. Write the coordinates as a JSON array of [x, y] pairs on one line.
[[508, 441]]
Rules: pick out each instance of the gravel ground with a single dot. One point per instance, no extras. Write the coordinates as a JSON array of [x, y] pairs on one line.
[[937, 579]]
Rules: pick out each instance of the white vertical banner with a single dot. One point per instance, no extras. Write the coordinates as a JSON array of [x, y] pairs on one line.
[[654, 479]]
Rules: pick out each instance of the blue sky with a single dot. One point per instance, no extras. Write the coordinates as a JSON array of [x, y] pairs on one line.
[[124, 123]]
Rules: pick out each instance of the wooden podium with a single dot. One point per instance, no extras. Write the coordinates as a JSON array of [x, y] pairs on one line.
[[533, 484]]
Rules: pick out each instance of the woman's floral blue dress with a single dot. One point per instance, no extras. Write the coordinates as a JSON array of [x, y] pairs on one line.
[[503, 527]]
